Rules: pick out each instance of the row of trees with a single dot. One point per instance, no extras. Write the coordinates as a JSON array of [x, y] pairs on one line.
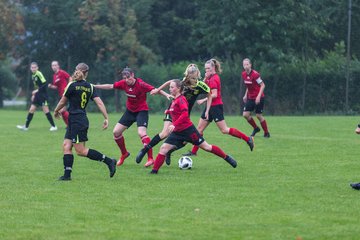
[[298, 46]]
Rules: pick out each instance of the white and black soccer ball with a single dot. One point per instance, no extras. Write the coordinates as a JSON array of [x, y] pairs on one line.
[[185, 163]]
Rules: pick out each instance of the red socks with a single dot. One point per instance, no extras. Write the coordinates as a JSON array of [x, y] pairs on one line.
[[159, 161], [264, 126], [236, 133], [217, 151], [252, 123], [120, 141], [65, 117], [145, 140]]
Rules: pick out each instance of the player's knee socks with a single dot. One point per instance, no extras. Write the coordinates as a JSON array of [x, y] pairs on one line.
[[195, 148], [217, 151], [252, 123], [264, 126], [65, 117], [50, 119], [97, 156], [28, 119], [146, 140], [68, 163], [236, 133], [154, 141], [159, 161], [120, 141]]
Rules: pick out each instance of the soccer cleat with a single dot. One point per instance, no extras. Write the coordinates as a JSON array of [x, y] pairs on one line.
[[153, 171], [267, 135], [22, 127], [168, 159], [122, 159], [255, 131], [64, 178], [149, 162], [231, 161], [251, 143], [355, 186], [53, 128], [112, 167], [140, 155], [188, 154]]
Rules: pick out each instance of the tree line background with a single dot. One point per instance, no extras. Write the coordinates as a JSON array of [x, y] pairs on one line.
[[299, 46]]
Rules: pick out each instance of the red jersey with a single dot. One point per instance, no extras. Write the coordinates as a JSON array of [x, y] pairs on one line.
[[179, 114], [252, 82], [61, 79], [136, 94], [214, 83]]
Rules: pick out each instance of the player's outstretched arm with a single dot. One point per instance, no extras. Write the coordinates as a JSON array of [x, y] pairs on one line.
[[104, 86], [102, 109], [157, 90], [60, 105]]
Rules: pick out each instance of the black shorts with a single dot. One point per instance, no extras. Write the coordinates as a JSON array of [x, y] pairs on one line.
[[141, 118], [40, 100], [77, 128], [250, 106], [216, 113], [191, 135]]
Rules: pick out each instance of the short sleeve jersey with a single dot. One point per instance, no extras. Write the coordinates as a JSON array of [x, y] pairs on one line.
[[252, 82], [214, 83], [136, 94], [39, 82], [60, 79], [191, 94], [79, 93], [179, 106]]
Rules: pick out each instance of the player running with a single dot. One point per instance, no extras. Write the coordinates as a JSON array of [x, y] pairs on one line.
[[38, 98], [216, 112], [183, 130], [60, 81], [78, 94], [193, 87], [254, 98], [136, 111]]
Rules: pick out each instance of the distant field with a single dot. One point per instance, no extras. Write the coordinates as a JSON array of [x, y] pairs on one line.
[[294, 185]]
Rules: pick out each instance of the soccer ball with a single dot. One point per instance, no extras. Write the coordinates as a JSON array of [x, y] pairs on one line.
[[185, 163]]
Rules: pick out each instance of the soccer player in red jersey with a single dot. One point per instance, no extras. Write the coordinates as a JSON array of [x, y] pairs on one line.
[[254, 97], [136, 111], [183, 130], [193, 87], [60, 81], [216, 112]]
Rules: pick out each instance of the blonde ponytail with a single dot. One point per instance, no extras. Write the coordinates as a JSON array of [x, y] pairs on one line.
[[192, 75], [215, 63], [81, 72]]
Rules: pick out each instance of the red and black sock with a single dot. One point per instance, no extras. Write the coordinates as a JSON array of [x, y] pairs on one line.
[[264, 126], [159, 161], [252, 123], [218, 151], [120, 141], [236, 133], [146, 140]]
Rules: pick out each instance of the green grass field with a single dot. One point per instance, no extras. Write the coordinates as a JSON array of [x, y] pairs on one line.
[[294, 185]]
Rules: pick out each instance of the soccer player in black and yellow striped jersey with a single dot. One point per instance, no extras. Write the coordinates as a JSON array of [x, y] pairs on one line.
[[39, 98], [78, 94]]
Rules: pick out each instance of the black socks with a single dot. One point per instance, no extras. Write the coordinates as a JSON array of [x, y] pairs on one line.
[[68, 163], [97, 156], [28, 119]]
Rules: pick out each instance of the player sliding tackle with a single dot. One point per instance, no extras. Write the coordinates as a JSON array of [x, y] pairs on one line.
[[183, 130]]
